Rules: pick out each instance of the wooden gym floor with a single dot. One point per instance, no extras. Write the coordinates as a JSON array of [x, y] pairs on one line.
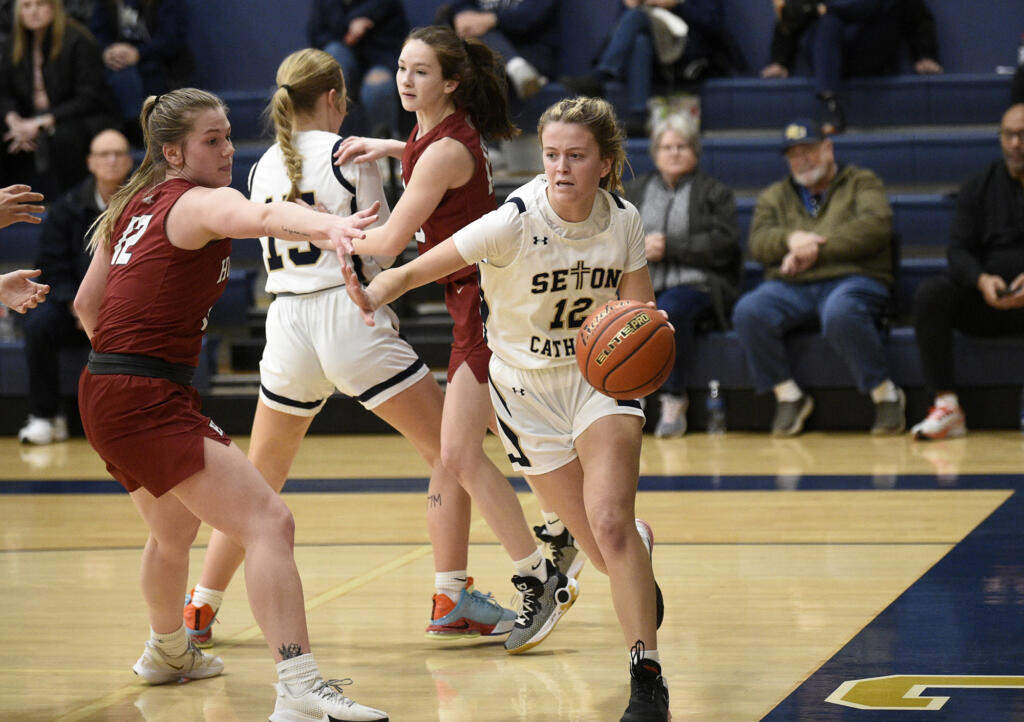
[[826, 577]]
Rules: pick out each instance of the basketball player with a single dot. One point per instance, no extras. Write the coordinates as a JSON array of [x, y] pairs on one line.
[[317, 342], [455, 90], [561, 246], [161, 259]]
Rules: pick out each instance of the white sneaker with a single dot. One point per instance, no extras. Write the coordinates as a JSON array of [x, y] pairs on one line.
[[39, 430], [525, 79], [942, 422], [156, 668], [323, 703], [673, 416]]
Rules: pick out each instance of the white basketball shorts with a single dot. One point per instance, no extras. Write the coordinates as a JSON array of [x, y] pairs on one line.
[[318, 342], [541, 412]]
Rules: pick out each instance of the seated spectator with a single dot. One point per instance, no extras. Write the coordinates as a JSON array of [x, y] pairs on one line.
[[365, 38], [63, 259], [982, 293], [145, 49], [824, 236], [850, 38], [53, 98], [524, 32], [632, 54], [693, 250]]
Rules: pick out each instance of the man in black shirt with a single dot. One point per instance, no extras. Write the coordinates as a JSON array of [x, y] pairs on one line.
[[982, 293]]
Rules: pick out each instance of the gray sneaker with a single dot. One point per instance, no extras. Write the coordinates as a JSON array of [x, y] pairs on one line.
[[567, 558], [891, 416], [673, 416], [544, 603], [790, 416]]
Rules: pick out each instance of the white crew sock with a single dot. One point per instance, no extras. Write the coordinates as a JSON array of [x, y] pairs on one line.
[[885, 391], [450, 584], [298, 674], [174, 644], [553, 523], [532, 566], [947, 401], [787, 391], [205, 595]]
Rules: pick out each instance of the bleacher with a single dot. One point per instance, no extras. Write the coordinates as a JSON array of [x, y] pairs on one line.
[[922, 135]]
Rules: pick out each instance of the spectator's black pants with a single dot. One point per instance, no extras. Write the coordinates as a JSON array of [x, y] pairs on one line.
[[942, 306], [48, 328]]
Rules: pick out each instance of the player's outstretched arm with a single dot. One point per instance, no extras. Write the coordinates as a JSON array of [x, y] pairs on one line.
[[17, 204], [392, 283], [357, 149]]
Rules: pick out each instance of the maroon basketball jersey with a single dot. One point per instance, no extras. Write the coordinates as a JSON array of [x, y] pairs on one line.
[[158, 296], [459, 206]]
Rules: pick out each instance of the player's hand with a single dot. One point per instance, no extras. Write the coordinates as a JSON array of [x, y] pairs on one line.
[[18, 293], [360, 150], [17, 204], [360, 296], [660, 312], [345, 229]]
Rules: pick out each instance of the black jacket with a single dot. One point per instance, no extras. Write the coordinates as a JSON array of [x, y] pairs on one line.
[[987, 232], [165, 60], [329, 20], [75, 82], [61, 254]]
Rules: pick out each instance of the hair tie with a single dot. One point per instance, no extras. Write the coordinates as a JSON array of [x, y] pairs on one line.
[[287, 87], [157, 99]]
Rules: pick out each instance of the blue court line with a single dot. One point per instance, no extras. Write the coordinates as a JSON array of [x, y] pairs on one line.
[[810, 482], [963, 617]]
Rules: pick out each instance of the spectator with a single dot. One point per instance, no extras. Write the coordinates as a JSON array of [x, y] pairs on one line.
[[693, 250], [524, 32], [145, 49], [63, 259], [824, 236], [365, 37], [633, 53], [1017, 87], [53, 98], [982, 293], [850, 38]]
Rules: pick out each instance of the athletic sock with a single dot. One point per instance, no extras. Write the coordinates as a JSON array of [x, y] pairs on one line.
[[298, 674], [553, 523], [173, 644], [204, 595], [651, 654], [532, 566], [787, 391], [450, 584], [885, 391]]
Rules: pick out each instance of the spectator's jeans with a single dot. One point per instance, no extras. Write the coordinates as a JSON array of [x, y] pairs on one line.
[[130, 91], [379, 99], [941, 306], [629, 57], [685, 306], [847, 308], [48, 328]]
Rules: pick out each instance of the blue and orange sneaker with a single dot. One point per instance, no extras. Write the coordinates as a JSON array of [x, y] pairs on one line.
[[198, 622], [475, 615]]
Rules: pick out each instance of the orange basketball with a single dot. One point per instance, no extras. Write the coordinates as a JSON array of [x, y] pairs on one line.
[[625, 349]]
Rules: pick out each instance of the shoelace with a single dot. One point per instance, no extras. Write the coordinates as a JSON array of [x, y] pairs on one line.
[[646, 685], [333, 687], [526, 610], [482, 598]]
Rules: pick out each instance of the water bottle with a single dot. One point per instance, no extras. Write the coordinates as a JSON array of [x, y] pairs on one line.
[[715, 408]]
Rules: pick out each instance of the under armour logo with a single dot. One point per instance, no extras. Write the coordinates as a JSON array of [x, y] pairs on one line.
[[521, 392], [537, 241]]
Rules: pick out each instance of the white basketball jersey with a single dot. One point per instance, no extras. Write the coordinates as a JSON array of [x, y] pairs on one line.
[[542, 276], [299, 266]]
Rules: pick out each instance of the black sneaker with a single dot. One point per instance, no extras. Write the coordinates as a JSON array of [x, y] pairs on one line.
[[543, 605], [790, 416], [648, 693], [564, 553]]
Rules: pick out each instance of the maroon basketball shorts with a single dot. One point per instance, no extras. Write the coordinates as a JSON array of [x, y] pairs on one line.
[[149, 431], [468, 346]]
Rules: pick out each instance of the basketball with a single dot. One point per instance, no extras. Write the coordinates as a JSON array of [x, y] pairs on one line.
[[625, 349]]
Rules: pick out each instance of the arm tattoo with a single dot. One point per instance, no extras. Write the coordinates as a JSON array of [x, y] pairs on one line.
[[294, 232], [287, 651], [434, 500]]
